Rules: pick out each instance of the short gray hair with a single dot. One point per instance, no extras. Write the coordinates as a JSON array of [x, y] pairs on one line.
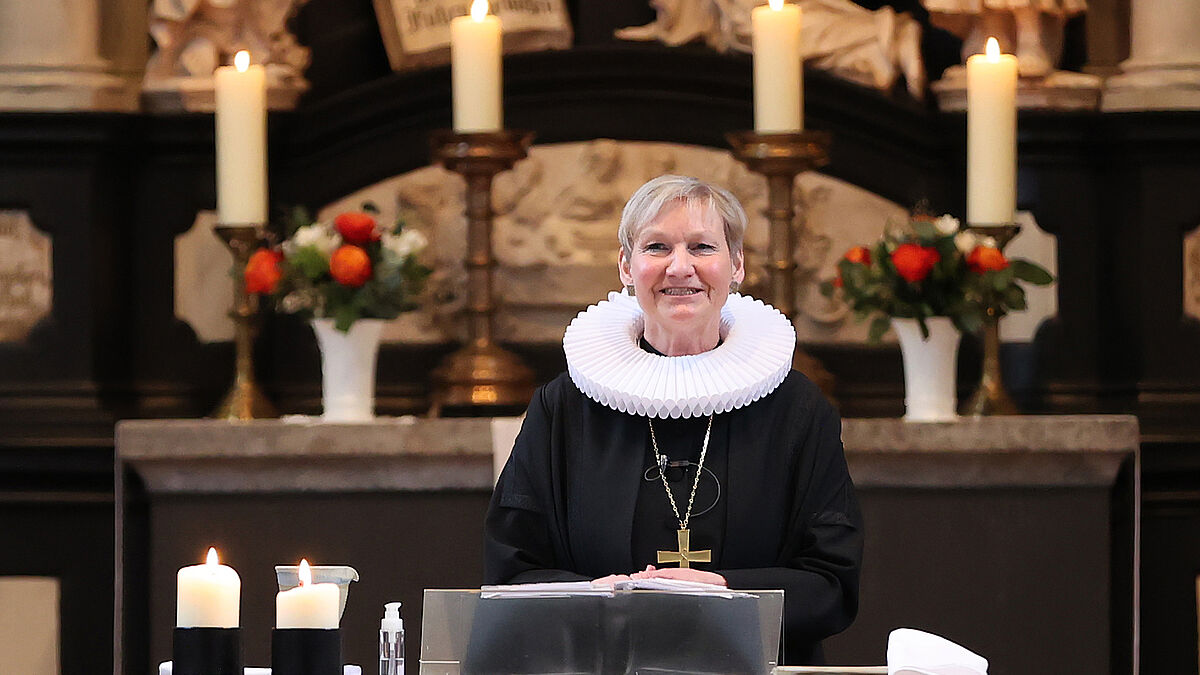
[[652, 198]]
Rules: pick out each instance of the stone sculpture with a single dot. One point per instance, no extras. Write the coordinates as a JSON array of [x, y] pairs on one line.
[[872, 48], [193, 37]]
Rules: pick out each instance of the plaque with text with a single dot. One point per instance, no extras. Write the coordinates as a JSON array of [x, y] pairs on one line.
[[416, 33], [26, 278]]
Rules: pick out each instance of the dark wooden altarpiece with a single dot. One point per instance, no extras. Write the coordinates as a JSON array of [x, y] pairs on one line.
[[113, 191]]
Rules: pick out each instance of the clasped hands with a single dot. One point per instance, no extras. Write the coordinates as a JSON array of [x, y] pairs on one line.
[[651, 572]]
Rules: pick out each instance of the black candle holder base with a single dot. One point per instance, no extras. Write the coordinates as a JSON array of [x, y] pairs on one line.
[[206, 651], [306, 651]]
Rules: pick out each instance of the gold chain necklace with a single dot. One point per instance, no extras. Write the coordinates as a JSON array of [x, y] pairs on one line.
[[683, 556]]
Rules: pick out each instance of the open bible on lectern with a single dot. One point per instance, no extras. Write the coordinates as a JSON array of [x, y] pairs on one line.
[[617, 631]]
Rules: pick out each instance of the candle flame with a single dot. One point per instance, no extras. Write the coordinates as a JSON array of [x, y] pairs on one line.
[[241, 60], [992, 49], [212, 556], [305, 573], [479, 10], [776, 5]]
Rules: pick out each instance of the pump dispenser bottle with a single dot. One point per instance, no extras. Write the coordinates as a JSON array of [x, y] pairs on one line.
[[391, 641]]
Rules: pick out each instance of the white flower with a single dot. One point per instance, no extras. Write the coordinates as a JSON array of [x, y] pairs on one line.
[[320, 236], [947, 224], [965, 241], [408, 242]]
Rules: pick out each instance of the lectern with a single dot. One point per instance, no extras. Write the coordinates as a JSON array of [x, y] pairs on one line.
[[466, 632]]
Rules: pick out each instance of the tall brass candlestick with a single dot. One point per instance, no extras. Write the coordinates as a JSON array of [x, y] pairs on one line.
[[991, 398], [245, 400], [481, 373], [781, 157]]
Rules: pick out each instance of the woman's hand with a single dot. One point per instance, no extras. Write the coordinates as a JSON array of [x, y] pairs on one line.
[[683, 573], [610, 579]]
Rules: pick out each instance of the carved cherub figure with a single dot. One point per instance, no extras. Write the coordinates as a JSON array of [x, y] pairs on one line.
[[872, 48], [1032, 29]]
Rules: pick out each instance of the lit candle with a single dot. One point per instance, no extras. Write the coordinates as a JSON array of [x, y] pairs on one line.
[[475, 69], [241, 93], [208, 595], [778, 75], [991, 136], [308, 605]]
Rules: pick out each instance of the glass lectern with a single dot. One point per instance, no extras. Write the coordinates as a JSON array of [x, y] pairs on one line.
[[622, 632]]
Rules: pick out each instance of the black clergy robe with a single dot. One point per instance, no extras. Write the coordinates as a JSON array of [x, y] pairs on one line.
[[563, 509]]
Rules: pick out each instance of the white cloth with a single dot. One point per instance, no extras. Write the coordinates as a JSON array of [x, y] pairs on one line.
[[608, 365], [914, 652]]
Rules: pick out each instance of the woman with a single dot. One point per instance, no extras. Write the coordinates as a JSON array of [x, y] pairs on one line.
[[680, 443]]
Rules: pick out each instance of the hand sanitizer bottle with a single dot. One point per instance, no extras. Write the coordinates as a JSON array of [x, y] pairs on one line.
[[391, 641]]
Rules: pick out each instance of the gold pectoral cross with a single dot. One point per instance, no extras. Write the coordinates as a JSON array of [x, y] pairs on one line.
[[684, 556]]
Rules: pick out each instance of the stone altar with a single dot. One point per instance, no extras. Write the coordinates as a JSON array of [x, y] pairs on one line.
[[993, 531]]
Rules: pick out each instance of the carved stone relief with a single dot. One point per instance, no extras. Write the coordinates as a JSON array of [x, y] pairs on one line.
[[555, 233], [26, 275], [555, 241], [416, 33], [872, 48], [1191, 274], [203, 287], [193, 37]]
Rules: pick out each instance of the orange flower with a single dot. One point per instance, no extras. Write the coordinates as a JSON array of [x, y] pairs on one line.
[[859, 255], [262, 271], [986, 259], [914, 262], [356, 227], [350, 266]]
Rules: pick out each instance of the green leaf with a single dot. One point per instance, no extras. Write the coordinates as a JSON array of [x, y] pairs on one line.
[[1014, 298], [344, 316], [879, 326], [1030, 272], [1001, 279], [926, 231], [970, 320], [310, 263]]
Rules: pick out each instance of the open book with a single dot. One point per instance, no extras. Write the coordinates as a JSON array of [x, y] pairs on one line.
[[563, 589]]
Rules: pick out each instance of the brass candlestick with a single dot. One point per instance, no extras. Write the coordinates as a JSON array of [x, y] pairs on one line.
[[480, 373], [781, 157], [991, 398], [245, 400]]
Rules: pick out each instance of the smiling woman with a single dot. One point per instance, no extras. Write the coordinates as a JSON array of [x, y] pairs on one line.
[[681, 262], [680, 435]]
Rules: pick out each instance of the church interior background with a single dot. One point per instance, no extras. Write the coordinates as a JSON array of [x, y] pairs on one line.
[[114, 296]]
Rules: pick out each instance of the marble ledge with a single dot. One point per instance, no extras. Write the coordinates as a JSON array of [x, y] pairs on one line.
[[410, 454]]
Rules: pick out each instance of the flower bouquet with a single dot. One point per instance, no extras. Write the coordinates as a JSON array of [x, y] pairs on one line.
[[345, 270], [930, 281], [929, 268], [346, 276]]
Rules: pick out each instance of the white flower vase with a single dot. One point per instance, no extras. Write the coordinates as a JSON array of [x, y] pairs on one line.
[[930, 367], [348, 369]]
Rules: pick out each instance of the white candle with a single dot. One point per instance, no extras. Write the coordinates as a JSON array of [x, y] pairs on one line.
[[991, 136], [241, 93], [475, 69], [208, 595], [308, 605], [778, 75]]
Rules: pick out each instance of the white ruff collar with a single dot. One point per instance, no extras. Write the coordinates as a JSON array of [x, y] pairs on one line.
[[606, 362]]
